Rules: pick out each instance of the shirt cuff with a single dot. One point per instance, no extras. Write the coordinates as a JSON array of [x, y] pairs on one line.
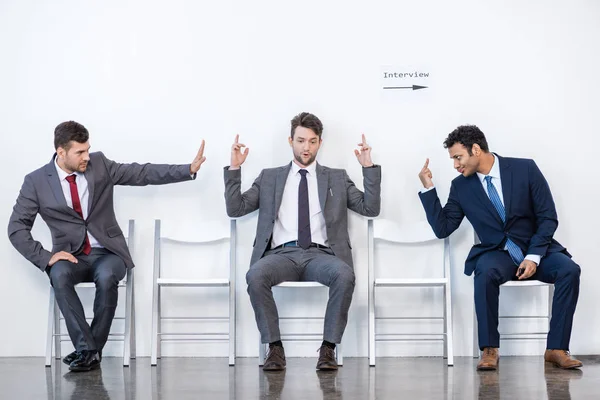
[[425, 190], [534, 257]]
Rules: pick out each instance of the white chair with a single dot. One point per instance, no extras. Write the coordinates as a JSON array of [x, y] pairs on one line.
[[202, 234], [299, 336], [128, 336], [414, 234], [517, 335]]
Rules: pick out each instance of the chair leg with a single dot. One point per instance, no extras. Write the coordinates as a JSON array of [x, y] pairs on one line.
[[155, 322], [339, 355], [449, 342], [261, 352], [57, 333], [132, 343], [159, 327], [50, 329], [475, 335], [127, 334], [550, 298], [445, 325], [232, 323], [372, 319]]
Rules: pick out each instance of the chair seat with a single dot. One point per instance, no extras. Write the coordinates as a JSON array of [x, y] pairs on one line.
[[300, 284], [411, 282], [180, 282], [123, 283], [524, 283]]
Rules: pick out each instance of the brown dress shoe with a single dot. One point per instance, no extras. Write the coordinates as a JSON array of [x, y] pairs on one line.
[[489, 359], [275, 360], [327, 360], [562, 359]]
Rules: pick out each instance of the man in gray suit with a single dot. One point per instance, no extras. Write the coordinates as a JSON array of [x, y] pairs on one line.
[[302, 231], [74, 196]]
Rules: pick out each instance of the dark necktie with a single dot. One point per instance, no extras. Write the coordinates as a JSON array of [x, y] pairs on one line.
[[304, 238], [77, 207]]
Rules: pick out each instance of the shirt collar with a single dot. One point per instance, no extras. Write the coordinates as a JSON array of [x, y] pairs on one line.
[[494, 172], [312, 168]]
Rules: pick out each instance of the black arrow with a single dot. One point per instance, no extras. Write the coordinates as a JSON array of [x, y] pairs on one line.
[[413, 87]]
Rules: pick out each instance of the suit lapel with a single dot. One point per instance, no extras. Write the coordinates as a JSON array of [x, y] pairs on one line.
[[56, 188], [89, 177], [322, 183], [479, 193], [282, 175], [506, 177]]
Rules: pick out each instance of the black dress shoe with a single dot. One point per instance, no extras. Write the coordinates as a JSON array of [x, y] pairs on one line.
[[71, 357], [327, 360], [87, 361], [275, 360]]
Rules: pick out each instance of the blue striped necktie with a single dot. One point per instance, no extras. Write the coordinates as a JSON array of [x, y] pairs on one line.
[[515, 251]]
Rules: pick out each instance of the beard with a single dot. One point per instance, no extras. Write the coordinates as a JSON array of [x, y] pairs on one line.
[[298, 158], [76, 167]]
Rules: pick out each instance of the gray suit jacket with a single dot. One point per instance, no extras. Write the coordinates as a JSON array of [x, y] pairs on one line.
[[336, 193], [42, 194]]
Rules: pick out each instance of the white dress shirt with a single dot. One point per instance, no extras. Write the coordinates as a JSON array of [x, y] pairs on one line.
[[286, 224], [82, 190]]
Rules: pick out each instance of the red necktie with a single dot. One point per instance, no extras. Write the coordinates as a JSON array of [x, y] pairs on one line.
[[77, 207]]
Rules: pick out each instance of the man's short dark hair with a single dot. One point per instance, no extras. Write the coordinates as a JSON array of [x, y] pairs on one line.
[[467, 135], [67, 131], [309, 121]]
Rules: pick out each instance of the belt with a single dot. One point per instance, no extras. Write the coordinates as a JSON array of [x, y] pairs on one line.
[[294, 243]]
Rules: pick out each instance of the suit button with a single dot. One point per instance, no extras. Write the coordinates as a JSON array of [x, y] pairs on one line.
[[506, 232], [273, 221], [266, 240]]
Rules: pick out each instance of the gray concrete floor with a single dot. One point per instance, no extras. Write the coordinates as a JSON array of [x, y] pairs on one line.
[[525, 378]]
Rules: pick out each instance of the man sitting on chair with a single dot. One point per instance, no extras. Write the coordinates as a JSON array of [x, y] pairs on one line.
[[74, 195], [302, 231], [509, 204]]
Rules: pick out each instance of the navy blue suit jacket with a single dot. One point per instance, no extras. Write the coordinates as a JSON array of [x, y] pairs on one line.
[[531, 218]]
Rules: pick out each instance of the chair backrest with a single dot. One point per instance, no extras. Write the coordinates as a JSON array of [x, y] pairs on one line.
[[205, 233], [130, 233], [406, 234]]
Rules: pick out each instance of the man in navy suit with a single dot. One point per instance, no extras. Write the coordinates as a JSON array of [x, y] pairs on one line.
[[509, 204]]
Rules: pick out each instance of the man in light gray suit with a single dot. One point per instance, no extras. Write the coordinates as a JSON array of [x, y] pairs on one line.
[[302, 231], [74, 196]]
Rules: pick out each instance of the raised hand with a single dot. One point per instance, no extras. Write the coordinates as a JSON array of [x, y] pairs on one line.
[[195, 165], [237, 156], [425, 175], [364, 154]]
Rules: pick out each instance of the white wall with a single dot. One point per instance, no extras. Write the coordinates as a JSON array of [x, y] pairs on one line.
[[150, 79]]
